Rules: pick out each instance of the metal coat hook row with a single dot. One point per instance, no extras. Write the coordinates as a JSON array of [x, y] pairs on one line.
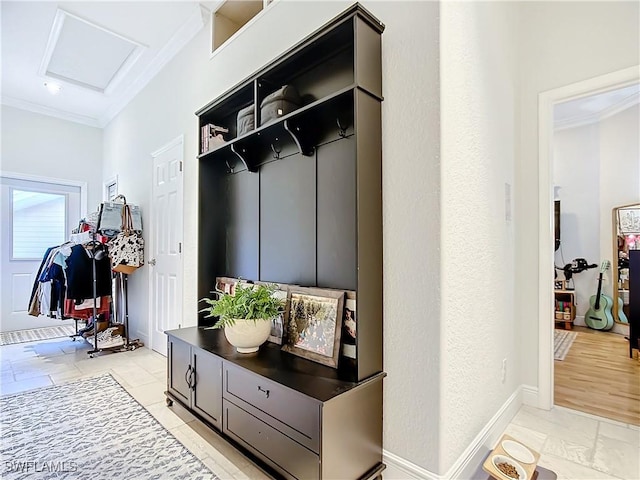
[[342, 129], [276, 150]]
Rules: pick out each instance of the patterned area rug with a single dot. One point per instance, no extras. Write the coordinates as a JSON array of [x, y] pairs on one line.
[[89, 429], [562, 341], [21, 336]]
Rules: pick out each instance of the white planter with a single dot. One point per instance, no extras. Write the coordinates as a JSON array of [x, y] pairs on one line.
[[248, 335]]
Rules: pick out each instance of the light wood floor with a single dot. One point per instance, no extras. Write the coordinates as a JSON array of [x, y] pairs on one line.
[[598, 377]]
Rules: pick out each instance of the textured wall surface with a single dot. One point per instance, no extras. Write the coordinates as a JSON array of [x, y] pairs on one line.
[[478, 76], [560, 43], [45, 146]]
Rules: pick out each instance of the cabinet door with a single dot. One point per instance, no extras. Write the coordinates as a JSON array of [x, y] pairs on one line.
[[179, 369], [206, 398]]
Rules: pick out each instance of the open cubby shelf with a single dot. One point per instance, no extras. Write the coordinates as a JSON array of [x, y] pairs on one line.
[[335, 111]]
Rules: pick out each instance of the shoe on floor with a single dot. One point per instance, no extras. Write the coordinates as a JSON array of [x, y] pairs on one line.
[[108, 338], [102, 326]]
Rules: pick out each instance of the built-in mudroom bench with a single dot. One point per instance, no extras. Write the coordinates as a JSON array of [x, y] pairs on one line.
[[291, 413], [290, 192]]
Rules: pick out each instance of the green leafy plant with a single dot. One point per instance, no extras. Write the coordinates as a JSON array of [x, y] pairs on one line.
[[250, 302]]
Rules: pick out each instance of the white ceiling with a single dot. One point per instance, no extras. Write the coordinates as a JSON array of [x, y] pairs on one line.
[[102, 53], [594, 108]]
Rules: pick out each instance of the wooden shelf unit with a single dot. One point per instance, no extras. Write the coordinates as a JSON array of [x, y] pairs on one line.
[[565, 307]]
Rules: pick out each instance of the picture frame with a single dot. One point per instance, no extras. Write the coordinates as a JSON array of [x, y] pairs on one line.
[[629, 220], [349, 326], [278, 323], [314, 324]]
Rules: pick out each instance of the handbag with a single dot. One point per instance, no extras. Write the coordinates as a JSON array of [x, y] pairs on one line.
[[126, 249]]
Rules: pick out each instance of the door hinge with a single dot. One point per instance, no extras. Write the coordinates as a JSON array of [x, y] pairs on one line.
[[180, 165], [179, 247]]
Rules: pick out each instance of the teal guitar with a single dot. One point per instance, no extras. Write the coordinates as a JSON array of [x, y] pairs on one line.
[[622, 318], [599, 316]]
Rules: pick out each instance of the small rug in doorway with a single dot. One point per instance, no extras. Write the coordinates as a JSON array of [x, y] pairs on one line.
[[45, 333], [90, 428], [562, 341]]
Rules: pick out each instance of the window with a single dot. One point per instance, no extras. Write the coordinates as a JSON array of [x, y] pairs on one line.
[[39, 222], [111, 189]]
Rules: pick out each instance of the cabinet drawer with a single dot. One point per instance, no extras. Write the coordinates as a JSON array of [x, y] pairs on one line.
[[286, 455], [299, 413]]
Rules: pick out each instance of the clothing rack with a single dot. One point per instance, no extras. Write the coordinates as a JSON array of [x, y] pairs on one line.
[[121, 280]]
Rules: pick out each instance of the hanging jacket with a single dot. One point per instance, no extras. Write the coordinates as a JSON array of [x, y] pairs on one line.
[[79, 273]]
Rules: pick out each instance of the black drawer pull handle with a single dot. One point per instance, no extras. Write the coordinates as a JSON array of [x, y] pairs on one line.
[[187, 376], [266, 392]]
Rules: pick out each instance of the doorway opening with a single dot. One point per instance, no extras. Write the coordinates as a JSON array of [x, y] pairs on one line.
[[574, 172], [37, 213]]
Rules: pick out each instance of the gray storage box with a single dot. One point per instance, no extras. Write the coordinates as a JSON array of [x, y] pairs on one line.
[[279, 103], [246, 120]]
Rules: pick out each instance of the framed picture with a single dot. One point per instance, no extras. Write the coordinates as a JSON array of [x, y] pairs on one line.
[[349, 326], [629, 221], [314, 325], [277, 324]]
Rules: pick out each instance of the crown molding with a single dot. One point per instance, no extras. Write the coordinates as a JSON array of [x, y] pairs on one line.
[[177, 42], [49, 111], [614, 109], [621, 106]]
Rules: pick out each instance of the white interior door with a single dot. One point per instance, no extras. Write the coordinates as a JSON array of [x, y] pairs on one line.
[[35, 215], [166, 244]]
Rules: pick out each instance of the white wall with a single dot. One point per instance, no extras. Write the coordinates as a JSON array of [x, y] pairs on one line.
[[560, 43], [478, 83], [576, 170], [411, 209], [40, 145]]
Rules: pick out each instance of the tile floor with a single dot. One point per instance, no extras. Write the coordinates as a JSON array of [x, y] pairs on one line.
[[576, 446]]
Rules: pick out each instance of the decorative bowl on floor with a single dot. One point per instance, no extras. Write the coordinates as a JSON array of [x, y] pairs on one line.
[[515, 471], [247, 335], [518, 451]]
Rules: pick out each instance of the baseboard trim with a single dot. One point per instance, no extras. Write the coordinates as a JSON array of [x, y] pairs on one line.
[[530, 396], [471, 459], [399, 468]]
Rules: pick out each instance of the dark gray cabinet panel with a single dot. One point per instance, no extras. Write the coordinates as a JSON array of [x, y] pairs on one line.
[[241, 235], [206, 398], [296, 415], [336, 211], [288, 221], [288, 457], [179, 362], [195, 379]]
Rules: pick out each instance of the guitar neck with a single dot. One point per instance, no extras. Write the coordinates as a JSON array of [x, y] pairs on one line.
[[597, 305]]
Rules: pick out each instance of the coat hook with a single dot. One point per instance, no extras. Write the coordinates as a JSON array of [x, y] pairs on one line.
[[342, 129], [228, 166], [276, 150]]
